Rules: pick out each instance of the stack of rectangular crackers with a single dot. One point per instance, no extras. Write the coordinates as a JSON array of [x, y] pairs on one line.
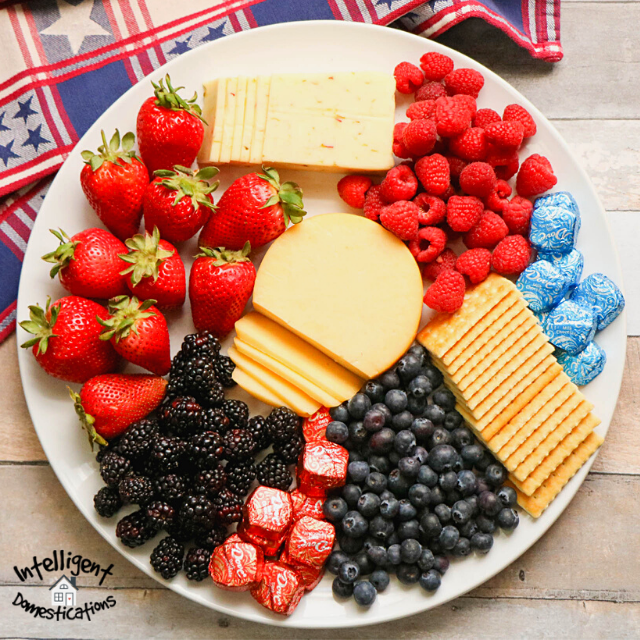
[[511, 390]]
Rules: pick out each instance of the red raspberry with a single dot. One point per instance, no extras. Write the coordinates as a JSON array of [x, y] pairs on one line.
[[401, 218], [486, 234], [424, 109], [456, 165], [535, 176], [475, 263], [468, 101], [408, 77], [484, 117], [463, 212], [452, 117], [470, 144], [373, 203], [428, 244], [506, 135], [430, 91], [504, 162], [497, 199], [440, 146], [448, 193], [511, 256], [352, 190], [398, 146], [517, 215], [446, 294], [432, 210], [400, 183], [465, 81], [433, 173], [478, 179], [435, 66], [419, 136], [517, 113], [444, 262]]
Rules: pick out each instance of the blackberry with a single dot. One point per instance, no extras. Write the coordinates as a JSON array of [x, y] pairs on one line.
[[171, 487], [135, 489], [273, 472], [134, 530], [167, 453], [283, 424], [240, 475], [176, 386], [259, 429], [199, 379], [166, 558], [223, 366], [181, 531], [289, 451], [210, 481], [160, 514], [135, 442], [214, 419], [107, 502], [237, 412], [181, 416], [113, 468], [196, 563], [212, 538], [238, 445], [110, 446], [197, 512], [228, 507], [203, 344], [205, 449]]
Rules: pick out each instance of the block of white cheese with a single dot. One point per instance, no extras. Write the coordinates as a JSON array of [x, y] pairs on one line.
[[214, 107], [238, 126], [260, 121], [249, 119], [229, 120]]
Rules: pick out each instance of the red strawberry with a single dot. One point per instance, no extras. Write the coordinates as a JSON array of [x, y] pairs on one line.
[[255, 209], [179, 202], [139, 333], [67, 341], [157, 271], [220, 285], [114, 181], [169, 128], [446, 294], [88, 264], [108, 404]]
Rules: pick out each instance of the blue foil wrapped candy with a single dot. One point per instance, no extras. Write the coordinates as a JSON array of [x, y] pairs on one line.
[[570, 327], [542, 285], [602, 296], [558, 199], [583, 367], [554, 229], [571, 264]]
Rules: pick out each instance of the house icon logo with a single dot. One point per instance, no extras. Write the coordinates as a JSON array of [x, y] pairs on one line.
[[63, 592]]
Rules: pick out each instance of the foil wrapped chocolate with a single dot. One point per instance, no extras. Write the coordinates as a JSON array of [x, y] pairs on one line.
[[541, 317], [558, 199], [570, 264], [542, 285], [602, 296], [280, 589], [554, 229], [315, 426], [236, 565], [311, 576], [310, 541], [304, 505], [322, 466], [583, 367], [570, 327]]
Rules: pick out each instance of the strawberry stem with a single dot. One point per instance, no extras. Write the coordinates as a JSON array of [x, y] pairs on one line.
[[145, 256], [40, 327], [87, 421], [125, 313], [63, 255], [169, 98], [186, 184], [289, 194], [224, 256], [111, 152]]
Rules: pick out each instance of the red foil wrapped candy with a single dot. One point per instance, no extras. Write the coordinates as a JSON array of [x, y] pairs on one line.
[[311, 576], [304, 505], [315, 426], [236, 565], [280, 589], [310, 541], [322, 466]]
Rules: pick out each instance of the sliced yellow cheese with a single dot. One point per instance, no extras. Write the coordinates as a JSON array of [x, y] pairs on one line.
[[289, 375], [229, 120], [213, 112], [260, 123], [347, 286], [238, 127], [280, 344], [254, 388], [249, 120], [298, 401]]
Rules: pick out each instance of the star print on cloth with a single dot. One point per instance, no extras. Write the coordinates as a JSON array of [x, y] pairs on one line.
[[387, 3], [215, 32], [34, 138], [6, 153], [25, 110], [3, 127], [181, 47]]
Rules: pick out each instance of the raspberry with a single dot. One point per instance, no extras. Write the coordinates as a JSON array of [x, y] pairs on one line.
[[517, 113], [535, 176], [373, 203], [470, 144], [444, 262], [506, 135], [511, 256], [446, 294], [398, 146], [423, 109], [463, 212], [456, 165], [488, 231], [465, 81], [517, 215], [352, 189], [504, 162], [485, 117], [478, 179], [498, 198], [430, 91], [428, 244], [419, 136], [475, 263], [452, 117], [401, 218], [408, 77], [433, 173], [432, 209], [448, 193], [468, 101], [400, 183], [435, 66]]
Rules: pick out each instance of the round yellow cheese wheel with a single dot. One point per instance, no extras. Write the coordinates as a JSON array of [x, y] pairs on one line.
[[347, 286]]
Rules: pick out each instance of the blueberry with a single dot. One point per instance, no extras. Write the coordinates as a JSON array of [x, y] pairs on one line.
[[410, 550], [451, 497], [350, 545], [374, 420], [380, 528], [341, 589], [340, 413], [430, 580], [453, 420], [382, 441], [419, 496], [393, 554], [354, 525], [402, 420], [448, 537], [369, 542], [442, 458], [408, 367], [427, 476], [368, 504], [420, 454], [389, 508], [355, 456], [386, 494], [462, 437], [426, 560], [489, 504], [379, 463], [495, 474], [462, 548], [482, 485], [439, 436], [358, 471], [364, 593], [486, 460], [442, 564], [409, 529], [437, 496], [406, 511], [398, 484], [466, 483], [376, 482], [378, 555], [409, 466], [468, 529], [364, 563], [473, 503], [334, 509], [422, 429], [416, 406], [349, 572], [447, 481], [390, 380], [394, 538], [408, 573], [350, 494], [419, 352], [337, 432], [486, 524], [461, 512], [481, 542], [443, 398], [434, 413], [435, 547], [335, 559], [404, 442], [443, 512], [507, 519], [358, 406], [507, 496], [379, 579], [430, 525], [472, 453], [396, 400], [357, 433], [375, 390], [419, 387], [380, 406], [435, 377]]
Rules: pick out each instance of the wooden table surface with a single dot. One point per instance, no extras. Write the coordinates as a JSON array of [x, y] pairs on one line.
[[582, 579]]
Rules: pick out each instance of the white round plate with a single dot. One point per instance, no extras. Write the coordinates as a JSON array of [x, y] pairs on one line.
[[297, 47]]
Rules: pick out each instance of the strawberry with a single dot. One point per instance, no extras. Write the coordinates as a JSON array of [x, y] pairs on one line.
[[88, 264], [67, 341], [170, 129], [139, 333], [156, 269], [256, 208], [179, 202], [220, 284], [108, 404], [114, 181]]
